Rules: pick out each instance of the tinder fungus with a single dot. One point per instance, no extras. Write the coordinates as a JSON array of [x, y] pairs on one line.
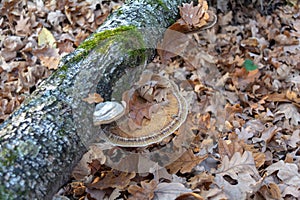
[[154, 110]]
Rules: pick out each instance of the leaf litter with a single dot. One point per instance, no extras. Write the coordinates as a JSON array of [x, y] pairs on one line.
[[243, 74]]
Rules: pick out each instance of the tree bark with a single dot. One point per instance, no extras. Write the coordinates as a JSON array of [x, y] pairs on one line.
[[42, 141]]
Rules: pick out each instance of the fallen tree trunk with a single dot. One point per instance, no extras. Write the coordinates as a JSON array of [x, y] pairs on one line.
[[42, 140]]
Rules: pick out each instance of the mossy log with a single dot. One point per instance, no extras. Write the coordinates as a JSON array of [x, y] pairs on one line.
[[42, 140]]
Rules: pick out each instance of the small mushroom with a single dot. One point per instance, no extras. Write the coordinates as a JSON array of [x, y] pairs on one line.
[[108, 111]]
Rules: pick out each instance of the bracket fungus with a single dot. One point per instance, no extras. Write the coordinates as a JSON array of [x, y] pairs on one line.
[[154, 110], [108, 111]]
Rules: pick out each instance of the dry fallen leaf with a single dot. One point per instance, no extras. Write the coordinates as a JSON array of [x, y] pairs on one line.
[[169, 191], [78, 188], [93, 98], [214, 193], [294, 139], [271, 191], [23, 27], [83, 169], [65, 47], [94, 166], [173, 44], [189, 196], [13, 43], [290, 112], [201, 180], [50, 62], [287, 172], [242, 78], [146, 191], [238, 175], [153, 87], [95, 194], [112, 179], [229, 148], [194, 16], [186, 162], [139, 109], [45, 37]]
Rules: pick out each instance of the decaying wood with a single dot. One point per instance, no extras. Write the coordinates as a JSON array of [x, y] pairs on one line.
[[42, 140]]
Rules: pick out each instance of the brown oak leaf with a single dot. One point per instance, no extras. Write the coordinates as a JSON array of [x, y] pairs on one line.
[[201, 180], [146, 191], [271, 191], [238, 175], [241, 78], [65, 47], [186, 162], [23, 27], [153, 87], [194, 16], [112, 179], [50, 62], [229, 147], [49, 56], [139, 109], [259, 157], [90, 163], [193, 19], [287, 172]]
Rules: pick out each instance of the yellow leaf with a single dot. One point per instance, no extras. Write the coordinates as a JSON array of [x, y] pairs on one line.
[[45, 37]]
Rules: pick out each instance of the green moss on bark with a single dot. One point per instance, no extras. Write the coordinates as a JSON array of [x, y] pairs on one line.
[[162, 4], [98, 37], [6, 194], [131, 37], [8, 156]]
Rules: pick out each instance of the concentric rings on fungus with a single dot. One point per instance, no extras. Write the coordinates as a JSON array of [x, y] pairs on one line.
[[170, 115]]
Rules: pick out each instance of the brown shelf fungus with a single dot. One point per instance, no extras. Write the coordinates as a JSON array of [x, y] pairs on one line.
[[154, 110]]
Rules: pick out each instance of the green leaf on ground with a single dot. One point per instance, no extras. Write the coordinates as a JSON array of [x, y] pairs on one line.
[[249, 65]]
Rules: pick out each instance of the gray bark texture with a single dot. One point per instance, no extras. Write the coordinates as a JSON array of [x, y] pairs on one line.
[[42, 140]]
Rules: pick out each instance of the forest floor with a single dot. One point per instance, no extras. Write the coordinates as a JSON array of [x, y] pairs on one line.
[[240, 78]]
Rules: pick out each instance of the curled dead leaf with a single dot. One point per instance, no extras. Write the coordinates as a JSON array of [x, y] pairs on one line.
[[145, 191], [201, 180]]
